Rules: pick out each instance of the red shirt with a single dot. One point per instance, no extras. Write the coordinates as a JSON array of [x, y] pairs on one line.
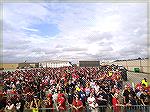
[[77, 104], [62, 101], [49, 103], [74, 75], [115, 107], [115, 101]]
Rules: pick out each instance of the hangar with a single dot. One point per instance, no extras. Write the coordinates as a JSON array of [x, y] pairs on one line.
[[89, 63]]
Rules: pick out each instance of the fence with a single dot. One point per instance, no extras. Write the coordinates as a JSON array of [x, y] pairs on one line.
[[135, 108]]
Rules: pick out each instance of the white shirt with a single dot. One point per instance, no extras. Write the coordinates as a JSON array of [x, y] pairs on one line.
[[96, 88], [10, 107], [92, 84], [92, 102]]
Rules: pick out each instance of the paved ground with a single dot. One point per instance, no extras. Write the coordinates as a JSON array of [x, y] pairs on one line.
[[136, 77]]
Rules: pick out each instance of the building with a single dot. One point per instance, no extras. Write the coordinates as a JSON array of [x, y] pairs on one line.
[[130, 64], [142, 64], [9, 66], [13, 66], [55, 64], [28, 65], [89, 63]]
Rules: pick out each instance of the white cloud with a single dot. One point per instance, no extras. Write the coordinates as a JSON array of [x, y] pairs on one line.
[[30, 29], [87, 31]]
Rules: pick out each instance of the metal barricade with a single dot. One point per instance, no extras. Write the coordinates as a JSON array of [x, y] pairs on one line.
[[135, 108]]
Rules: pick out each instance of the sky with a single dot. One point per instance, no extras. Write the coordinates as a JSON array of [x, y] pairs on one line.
[[73, 31]]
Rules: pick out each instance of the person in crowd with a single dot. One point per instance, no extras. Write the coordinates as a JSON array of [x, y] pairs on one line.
[[87, 90], [92, 103], [77, 104], [2, 102], [70, 97], [55, 95], [35, 103], [22, 103], [116, 103], [82, 96], [102, 100], [145, 82], [49, 103], [126, 93], [10, 107], [96, 87], [110, 96], [17, 103], [132, 101], [138, 94], [61, 102], [145, 98]]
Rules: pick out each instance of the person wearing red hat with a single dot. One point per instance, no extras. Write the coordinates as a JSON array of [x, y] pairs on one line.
[[13, 92], [61, 102]]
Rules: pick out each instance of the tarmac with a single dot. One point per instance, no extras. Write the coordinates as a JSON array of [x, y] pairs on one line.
[[136, 77]]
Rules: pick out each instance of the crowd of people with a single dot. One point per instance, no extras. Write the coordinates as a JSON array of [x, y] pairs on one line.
[[79, 89]]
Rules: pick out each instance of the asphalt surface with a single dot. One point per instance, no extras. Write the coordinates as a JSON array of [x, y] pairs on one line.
[[135, 77]]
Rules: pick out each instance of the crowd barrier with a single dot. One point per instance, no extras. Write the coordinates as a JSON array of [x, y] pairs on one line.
[[135, 108]]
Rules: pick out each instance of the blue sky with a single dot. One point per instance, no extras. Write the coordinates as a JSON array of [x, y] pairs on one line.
[[43, 29], [74, 31]]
